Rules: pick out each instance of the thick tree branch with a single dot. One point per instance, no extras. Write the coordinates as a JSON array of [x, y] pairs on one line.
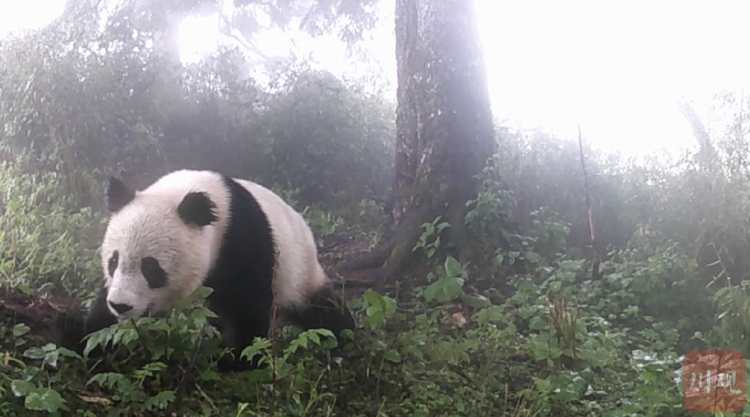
[[699, 131]]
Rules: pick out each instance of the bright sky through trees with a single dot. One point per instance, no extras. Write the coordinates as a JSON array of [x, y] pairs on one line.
[[618, 69]]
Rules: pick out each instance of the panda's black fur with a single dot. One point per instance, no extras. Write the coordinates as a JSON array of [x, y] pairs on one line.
[[243, 294], [241, 277]]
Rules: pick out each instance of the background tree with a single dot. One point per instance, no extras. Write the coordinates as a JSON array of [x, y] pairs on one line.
[[444, 125]]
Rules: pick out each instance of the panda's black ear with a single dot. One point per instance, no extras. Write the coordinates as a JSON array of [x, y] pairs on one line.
[[196, 208], [118, 195]]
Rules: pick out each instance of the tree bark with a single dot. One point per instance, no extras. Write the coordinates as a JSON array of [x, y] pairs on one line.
[[444, 125]]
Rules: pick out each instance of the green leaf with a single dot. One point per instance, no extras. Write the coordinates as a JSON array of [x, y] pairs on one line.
[[452, 267], [372, 297], [34, 353], [109, 380], [315, 338], [443, 289], [202, 293], [490, 314], [376, 319], [21, 388], [100, 338], [393, 356], [390, 306], [160, 400], [51, 359], [20, 330], [44, 399], [537, 323], [241, 407], [256, 349], [534, 257]]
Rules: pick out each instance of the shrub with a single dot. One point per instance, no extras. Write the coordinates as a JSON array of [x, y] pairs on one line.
[[45, 239]]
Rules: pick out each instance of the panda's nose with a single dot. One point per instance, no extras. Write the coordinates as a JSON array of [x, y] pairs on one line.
[[120, 308]]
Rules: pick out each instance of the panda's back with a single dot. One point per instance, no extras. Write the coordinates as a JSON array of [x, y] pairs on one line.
[[298, 272]]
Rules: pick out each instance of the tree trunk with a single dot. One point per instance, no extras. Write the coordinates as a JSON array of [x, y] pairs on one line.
[[444, 125], [706, 150]]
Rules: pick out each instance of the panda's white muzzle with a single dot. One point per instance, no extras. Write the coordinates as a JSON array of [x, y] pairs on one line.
[[125, 299]]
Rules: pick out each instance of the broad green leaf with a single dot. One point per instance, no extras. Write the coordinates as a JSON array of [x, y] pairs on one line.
[[44, 399], [393, 356]]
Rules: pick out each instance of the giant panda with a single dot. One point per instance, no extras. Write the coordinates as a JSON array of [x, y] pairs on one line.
[[193, 228]]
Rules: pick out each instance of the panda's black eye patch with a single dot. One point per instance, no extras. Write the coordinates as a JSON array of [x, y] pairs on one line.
[[154, 274], [112, 264]]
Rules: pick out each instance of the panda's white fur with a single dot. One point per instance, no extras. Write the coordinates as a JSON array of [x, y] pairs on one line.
[[202, 244], [298, 272]]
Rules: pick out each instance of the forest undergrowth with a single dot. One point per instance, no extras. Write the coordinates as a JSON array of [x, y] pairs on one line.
[[523, 329]]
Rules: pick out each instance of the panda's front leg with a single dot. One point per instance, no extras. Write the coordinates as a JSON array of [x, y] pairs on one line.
[[72, 327], [99, 316], [239, 333]]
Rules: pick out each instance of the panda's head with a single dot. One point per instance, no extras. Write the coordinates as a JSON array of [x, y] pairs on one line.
[[157, 247]]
